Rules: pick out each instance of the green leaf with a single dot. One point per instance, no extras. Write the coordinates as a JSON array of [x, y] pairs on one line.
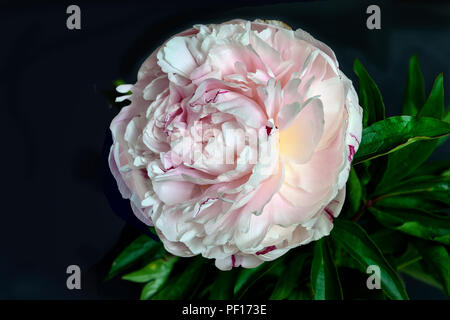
[[151, 288], [223, 286], [437, 187], [397, 132], [300, 294], [343, 259], [363, 172], [430, 226], [369, 96], [118, 82], [324, 277], [446, 116], [433, 168], [287, 283], [357, 243], [153, 270], [354, 192], [441, 197], [411, 202], [377, 169], [388, 241], [442, 140], [414, 97], [404, 162], [437, 260], [179, 286], [446, 173], [156, 274], [434, 107], [142, 246], [417, 271], [248, 277], [409, 256]]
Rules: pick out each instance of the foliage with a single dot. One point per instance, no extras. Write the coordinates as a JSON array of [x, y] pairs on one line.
[[395, 217]]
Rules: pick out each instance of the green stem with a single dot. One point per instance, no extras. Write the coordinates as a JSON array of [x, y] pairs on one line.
[[369, 203], [407, 263]]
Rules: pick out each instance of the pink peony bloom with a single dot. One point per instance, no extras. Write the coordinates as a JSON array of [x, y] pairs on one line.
[[238, 141]]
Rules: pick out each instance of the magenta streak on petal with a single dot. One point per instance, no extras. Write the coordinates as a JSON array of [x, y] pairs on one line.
[[144, 171], [215, 97], [169, 118], [269, 129], [201, 204], [266, 250], [352, 152], [192, 104], [354, 137], [233, 261], [329, 214]]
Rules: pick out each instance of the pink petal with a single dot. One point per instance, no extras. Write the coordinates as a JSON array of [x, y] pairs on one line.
[[299, 140]]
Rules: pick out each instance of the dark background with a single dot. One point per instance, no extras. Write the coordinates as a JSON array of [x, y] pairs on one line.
[[54, 118]]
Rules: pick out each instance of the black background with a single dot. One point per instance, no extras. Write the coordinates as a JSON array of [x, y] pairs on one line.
[[54, 118]]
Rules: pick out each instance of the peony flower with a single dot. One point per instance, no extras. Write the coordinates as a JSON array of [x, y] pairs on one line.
[[238, 141]]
